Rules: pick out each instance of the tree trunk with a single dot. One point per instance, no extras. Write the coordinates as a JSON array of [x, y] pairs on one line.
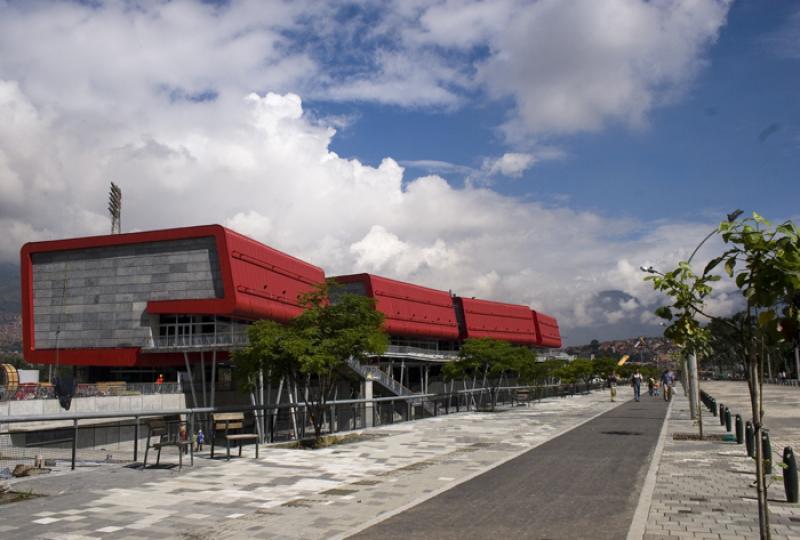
[[691, 365], [754, 379], [693, 373]]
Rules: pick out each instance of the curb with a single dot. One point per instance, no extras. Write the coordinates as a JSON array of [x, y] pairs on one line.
[[639, 522]]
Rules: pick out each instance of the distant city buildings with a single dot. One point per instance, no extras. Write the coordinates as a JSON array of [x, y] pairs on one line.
[[10, 332], [658, 351]]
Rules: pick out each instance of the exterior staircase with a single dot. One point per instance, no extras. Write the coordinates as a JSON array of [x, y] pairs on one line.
[[376, 374]]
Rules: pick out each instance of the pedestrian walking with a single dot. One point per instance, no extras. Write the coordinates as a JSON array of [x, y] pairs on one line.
[[199, 439], [636, 382], [612, 385], [651, 383], [667, 380]]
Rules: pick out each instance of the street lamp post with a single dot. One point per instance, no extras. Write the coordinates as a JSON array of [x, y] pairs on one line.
[[694, 384]]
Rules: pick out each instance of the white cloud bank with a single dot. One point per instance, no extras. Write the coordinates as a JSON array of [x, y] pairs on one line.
[[569, 66], [158, 98], [271, 175]]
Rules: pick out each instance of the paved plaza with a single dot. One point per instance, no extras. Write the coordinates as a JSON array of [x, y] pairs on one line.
[[292, 493], [575, 467], [781, 407], [704, 488], [583, 484]]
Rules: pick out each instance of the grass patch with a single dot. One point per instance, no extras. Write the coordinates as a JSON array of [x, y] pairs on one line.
[[9, 497], [330, 440], [696, 437]]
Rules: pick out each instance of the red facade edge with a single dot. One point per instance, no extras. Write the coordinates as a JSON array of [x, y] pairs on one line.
[[547, 329], [409, 309], [498, 320], [240, 297]]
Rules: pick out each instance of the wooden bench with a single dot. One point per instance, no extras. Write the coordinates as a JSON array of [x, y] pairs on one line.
[[111, 388], [159, 430], [522, 395], [230, 426]]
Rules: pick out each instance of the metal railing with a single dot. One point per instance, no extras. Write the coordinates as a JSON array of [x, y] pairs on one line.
[[198, 341], [120, 436], [782, 382], [376, 374], [31, 392], [420, 352]]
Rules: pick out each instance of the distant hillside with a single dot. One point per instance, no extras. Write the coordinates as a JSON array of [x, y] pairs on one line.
[[640, 349], [10, 309], [9, 288]]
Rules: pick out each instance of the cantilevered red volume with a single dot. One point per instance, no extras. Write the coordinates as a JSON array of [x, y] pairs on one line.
[[95, 300], [547, 330], [487, 319], [409, 310]]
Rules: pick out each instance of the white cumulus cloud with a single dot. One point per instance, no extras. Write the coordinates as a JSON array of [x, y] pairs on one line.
[[195, 110], [509, 164]]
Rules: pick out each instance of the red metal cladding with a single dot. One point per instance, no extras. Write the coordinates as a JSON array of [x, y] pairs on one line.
[[259, 282], [547, 330], [409, 310], [487, 319]]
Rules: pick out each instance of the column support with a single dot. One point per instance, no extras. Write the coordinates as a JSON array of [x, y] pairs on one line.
[[191, 378], [369, 408]]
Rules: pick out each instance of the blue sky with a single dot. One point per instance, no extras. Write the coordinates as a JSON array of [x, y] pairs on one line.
[[528, 151], [701, 155]]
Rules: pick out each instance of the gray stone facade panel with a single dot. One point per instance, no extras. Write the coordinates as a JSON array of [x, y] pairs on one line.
[[96, 297]]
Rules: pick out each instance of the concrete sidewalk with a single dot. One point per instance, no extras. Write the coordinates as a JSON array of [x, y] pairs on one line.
[[292, 493], [704, 488]]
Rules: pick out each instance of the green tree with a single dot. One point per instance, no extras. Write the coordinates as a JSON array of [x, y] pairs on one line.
[[764, 262], [579, 369], [311, 352], [536, 373], [492, 361], [688, 292], [16, 360], [605, 366], [725, 344]]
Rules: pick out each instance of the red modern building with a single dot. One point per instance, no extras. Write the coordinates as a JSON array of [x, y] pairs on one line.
[[547, 332], [145, 299], [487, 319], [409, 310], [164, 298], [432, 316]]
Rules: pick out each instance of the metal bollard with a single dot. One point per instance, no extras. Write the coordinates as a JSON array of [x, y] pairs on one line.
[[728, 420], [749, 439], [739, 429], [713, 406], [790, 475], [722, 415], [766, 452]]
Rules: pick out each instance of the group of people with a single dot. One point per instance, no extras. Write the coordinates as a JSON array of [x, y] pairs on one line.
[[666, 383]]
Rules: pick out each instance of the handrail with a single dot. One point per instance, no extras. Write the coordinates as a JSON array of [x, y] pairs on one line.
[[300, 405]]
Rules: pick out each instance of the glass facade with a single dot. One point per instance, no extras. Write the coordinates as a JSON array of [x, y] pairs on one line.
[[199, 330]]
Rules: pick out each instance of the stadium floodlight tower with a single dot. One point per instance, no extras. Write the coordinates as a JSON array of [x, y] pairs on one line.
[[115, 208]]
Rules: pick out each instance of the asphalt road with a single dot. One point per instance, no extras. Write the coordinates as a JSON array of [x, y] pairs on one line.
[[583, 484]]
